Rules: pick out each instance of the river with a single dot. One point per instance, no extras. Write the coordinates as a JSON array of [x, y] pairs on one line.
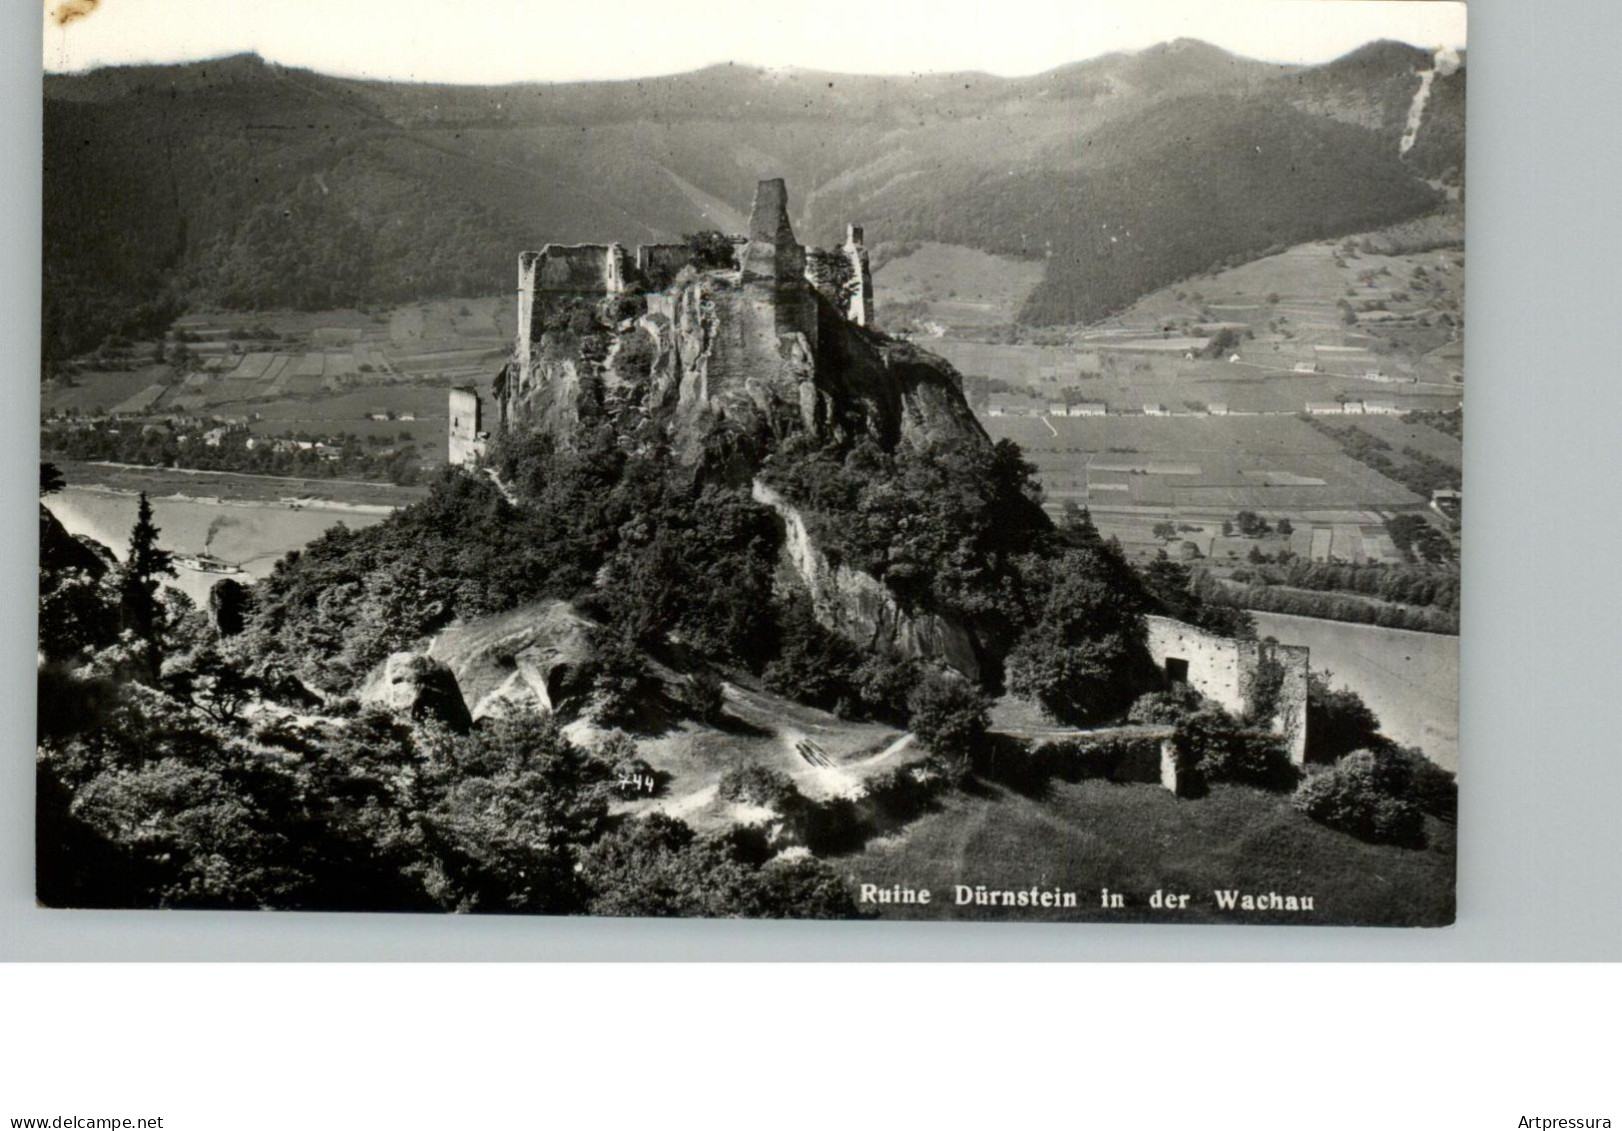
[[248, 534], [1409, 679]]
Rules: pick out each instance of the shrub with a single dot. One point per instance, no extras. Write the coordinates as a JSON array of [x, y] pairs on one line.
[[704, 696], [1112, 757], [755, 784], [883, 683], [1363, 796], [802, 887], [1167, 707], [905, 791], [1338, 722], [1433, 789], [1211, 747], [949, 715], [631, 775]]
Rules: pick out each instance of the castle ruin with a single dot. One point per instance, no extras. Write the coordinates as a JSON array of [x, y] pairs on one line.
[[774, 320]]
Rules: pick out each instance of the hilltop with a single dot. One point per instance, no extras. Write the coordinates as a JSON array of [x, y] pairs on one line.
[[242, 184]]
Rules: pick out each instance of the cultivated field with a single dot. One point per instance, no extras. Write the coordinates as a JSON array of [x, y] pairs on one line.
[[1421, 437], [1135, 472], [1318, 322], [318, 374]]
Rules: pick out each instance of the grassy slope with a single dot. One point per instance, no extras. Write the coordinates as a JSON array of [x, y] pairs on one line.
[[1137, 838]]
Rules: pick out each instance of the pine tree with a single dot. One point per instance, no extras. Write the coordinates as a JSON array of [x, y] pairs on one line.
[[138, 583]]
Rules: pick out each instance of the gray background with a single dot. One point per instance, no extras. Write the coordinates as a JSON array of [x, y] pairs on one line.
[[1540, 856]]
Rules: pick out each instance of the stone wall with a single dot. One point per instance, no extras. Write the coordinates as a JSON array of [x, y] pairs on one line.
[[1223, 670], [581, 268], [467, 434]]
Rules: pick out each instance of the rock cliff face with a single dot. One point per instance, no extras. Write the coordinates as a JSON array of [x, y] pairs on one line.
[[418, 686], [59, 550], [859, 607]]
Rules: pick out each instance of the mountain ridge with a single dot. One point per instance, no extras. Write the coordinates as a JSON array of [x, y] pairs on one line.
[[243, 183]]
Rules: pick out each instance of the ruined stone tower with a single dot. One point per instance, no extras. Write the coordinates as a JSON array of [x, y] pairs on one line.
[[859, 306], [773, 264], [467, 435]]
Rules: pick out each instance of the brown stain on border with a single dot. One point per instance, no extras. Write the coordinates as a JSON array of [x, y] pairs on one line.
[[64, 12]]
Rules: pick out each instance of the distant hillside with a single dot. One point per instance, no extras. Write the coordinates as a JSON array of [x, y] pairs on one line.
[[242, 184]]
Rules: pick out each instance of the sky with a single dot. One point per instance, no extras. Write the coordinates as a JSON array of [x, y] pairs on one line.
[[494, 41]]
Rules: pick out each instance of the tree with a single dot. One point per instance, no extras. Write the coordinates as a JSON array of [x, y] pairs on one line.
[[1165, 530], [619, 682], [712, 250], [138, 584], [950, 716], [50, 479], [1224, 340], [516, 801], [1085, 656], [658, 866], [1338, 721], [1251, 524], [1286, 527]]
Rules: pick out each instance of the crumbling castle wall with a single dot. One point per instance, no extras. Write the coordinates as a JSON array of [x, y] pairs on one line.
[[1223, 670]]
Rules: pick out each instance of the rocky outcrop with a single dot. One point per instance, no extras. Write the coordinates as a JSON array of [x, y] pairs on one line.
[[59, 550], [724, 363], [418, 686], [535, 658], [859, 607]]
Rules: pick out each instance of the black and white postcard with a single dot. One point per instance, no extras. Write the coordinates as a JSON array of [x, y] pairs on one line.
[[652, 463]]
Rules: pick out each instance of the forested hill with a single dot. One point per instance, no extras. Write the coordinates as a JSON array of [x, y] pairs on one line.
[[240, 183]]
